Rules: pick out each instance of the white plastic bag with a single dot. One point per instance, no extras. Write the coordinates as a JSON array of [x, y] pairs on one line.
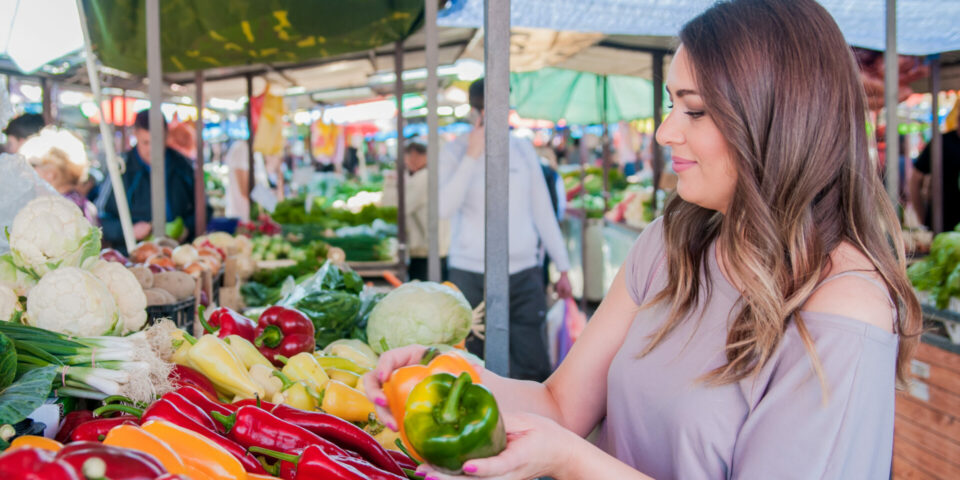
[[19, 184]]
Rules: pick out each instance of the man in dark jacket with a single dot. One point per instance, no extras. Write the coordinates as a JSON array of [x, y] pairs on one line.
[[136, 182]]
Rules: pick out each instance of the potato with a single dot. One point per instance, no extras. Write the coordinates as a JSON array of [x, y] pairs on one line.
[[158, 296], [180, 284], [144, 276]]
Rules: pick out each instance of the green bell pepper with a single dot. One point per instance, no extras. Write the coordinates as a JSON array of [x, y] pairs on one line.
[[450, 420]]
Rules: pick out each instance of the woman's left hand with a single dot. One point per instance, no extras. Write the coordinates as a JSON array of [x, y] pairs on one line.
[[536, 447]]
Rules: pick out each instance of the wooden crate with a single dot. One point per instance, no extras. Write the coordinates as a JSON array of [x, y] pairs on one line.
[[927, 430]]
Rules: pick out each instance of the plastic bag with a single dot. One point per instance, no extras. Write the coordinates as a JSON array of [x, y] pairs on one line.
[[573, 324], [19, 183], [554, 322]]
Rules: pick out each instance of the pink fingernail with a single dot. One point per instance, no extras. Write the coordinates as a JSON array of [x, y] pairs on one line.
[[470, 468], [392, 426], [381, 401], [430, 477], [382, 376]]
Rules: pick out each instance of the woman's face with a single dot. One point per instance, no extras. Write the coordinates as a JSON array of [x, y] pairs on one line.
[[706, 175]]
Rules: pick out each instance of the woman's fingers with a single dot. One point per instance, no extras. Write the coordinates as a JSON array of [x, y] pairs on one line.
[[374, 380]]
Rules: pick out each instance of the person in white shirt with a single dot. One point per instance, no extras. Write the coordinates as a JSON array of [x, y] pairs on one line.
[[416, 189], [532, 221]]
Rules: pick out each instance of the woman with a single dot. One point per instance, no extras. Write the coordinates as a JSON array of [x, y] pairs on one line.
[[758, 330], [60, 158]]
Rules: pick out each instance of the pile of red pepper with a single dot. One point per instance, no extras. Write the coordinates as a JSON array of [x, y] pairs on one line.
[[278, 331], [307, 444], [82, 460]]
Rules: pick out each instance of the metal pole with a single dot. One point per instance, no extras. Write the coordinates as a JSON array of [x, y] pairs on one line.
[[583, 225], [124, 140], [657, 164], [199, 186], [401, 171], [891, 83], [46, 102], [936, 150], [496, 94], [250, 176], [158, 189], [116, 180], [433, 146], [605, 145]]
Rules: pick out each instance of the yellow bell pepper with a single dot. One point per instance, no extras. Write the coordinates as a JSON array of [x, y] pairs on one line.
[[303, 367], [347, 377], [198, 453], [355, 350], [387, 439], [346, 403], [214, 359], [297, 394], [35, 441], [264, 377], [136, 438], [246, 352], [182, 347], [341, 364]]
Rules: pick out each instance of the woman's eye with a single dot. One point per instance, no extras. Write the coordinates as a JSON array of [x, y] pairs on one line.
[[695, 114]]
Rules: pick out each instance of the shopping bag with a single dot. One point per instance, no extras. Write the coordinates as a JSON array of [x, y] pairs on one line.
[[573, 324]]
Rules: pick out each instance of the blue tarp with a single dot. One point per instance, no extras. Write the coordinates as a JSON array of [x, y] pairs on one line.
[[924, 27]]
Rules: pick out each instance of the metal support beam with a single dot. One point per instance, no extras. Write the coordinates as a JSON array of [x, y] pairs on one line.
[[891, 77], [250, 176], [433, 145], [657, 162], [124, 131], [496, 56], [199, 186], [936, 150], [158, 188], [401, 167], [605, 145], [106, 133], [47, 102], [583, 225]]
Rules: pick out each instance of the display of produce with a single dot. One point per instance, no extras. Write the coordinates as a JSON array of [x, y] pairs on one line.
[[938, 275]]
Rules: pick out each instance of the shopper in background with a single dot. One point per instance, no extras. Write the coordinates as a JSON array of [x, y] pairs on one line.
[[136, 182], [417, 197], [558, 198], [532, 220], [60, 158], [950, 178], [20, 128], [237, 160], [759, 328]]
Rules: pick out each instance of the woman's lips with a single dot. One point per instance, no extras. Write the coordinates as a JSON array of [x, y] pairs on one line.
[[681, 164]]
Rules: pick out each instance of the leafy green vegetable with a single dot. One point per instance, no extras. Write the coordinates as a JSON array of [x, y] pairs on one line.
[[256, 294], [334, 314], [8, 361], [25, 395], [939, 273]]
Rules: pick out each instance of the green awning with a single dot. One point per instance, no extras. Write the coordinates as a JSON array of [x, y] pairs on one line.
[[204, 34], [578, 97]]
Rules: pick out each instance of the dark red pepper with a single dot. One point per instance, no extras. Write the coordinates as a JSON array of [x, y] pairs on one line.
[[369, 470], [341, 432], [224, 321], [403, 460], [253, 402], [284, 331], [96, 430], [200, 399], [255, 427], [121, 463], [182, 376], [35, 464], [70, 422], [313, 463]]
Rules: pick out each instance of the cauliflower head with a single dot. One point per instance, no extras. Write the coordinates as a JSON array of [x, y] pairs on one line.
[[126, 291], [51, 232], [14, 278], [75, 302], [10, 308]]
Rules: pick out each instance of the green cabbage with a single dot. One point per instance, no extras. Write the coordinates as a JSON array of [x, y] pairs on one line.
[[423, 313]]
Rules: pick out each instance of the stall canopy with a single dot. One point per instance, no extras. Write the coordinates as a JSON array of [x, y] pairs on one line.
[[205, 34], [924, 26], [580, 97]]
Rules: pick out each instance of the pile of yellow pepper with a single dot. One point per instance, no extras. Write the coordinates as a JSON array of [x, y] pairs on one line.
[[327, 380]]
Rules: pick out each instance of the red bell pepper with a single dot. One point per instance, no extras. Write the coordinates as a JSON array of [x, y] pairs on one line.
[[313, 463], [284, 331], [225, 321], [70, 422], [255, 427], [403, 460], [183, 376], [96, 430], [121, 463], [35, 464], [341, 432]]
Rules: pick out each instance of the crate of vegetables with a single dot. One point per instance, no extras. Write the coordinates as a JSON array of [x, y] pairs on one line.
[[181, 312]]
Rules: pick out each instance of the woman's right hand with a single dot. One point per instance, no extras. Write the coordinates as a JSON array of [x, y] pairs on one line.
[[373, 381]]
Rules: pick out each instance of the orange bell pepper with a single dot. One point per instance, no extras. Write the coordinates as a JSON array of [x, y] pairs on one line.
[[35, 441], [199, 454], [257, 476], [136, 438], [397, 388]]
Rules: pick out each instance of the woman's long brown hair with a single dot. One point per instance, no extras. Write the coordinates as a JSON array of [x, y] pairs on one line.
[[782, 86]]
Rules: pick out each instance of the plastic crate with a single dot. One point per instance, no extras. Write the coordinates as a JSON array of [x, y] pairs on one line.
[[182, 313]]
